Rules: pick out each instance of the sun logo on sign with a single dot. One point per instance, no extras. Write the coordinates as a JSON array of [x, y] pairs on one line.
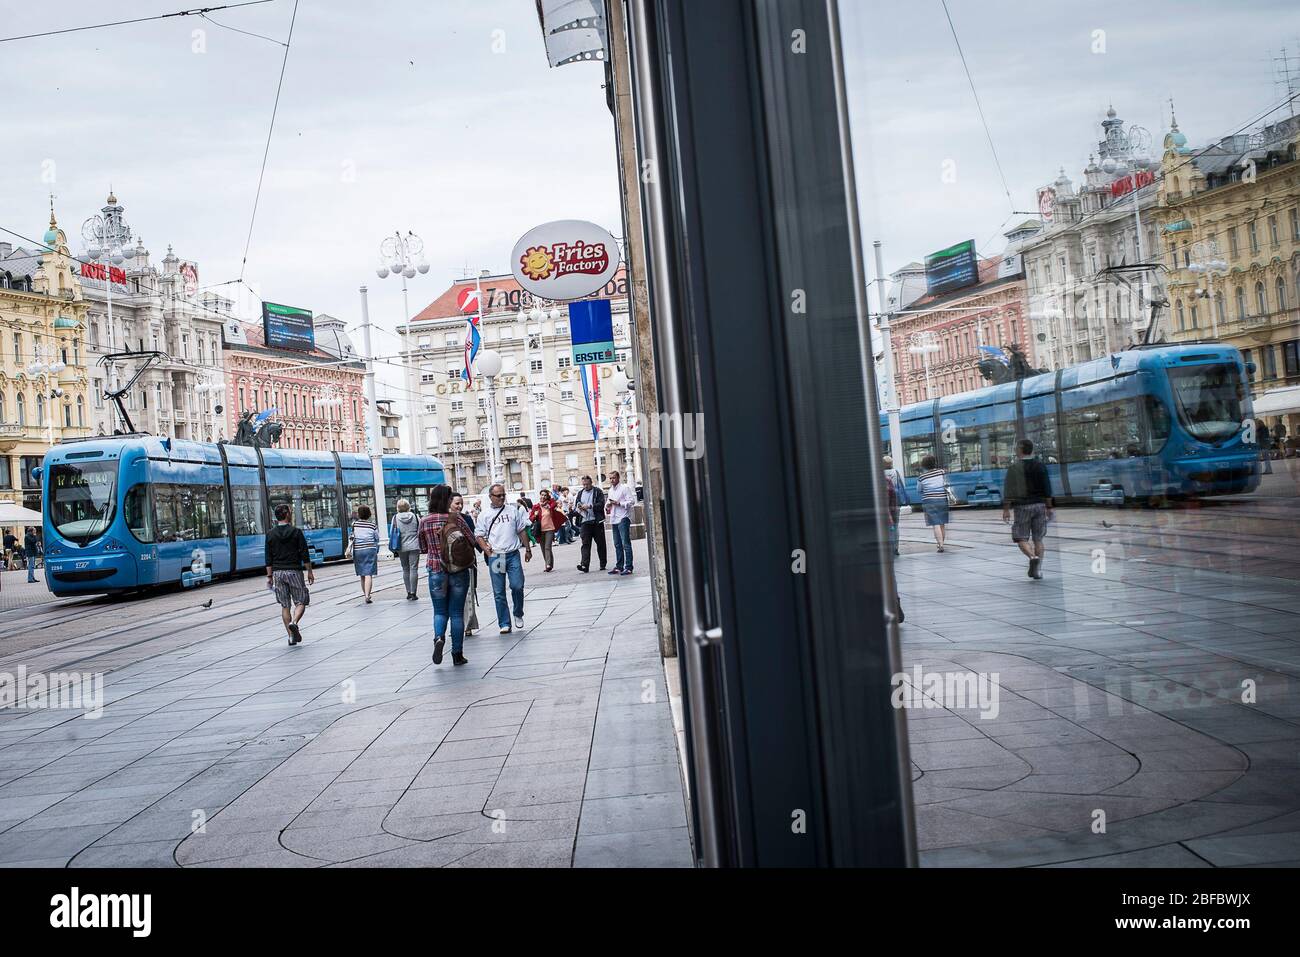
[[537, 262]]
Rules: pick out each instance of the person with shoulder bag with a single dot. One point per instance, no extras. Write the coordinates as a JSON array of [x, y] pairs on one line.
[[404, 542], [471, 593], [547, 520], [502, 530]]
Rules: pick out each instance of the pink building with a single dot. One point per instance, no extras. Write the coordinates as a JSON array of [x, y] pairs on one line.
[[319, 398], [990, 313]]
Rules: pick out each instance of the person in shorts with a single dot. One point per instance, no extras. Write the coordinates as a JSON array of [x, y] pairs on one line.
[[287, 555], [1027, 491]]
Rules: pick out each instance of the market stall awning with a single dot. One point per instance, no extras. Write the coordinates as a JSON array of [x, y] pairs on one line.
[[1279, 401]]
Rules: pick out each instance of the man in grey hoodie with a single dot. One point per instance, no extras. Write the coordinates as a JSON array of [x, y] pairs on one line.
[[409, 550]]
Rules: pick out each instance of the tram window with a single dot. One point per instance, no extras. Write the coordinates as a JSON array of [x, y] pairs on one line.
[[248, 510], [1041, 430], [962, 453], [290, 495], [358, 495], [915, 448], [139, 514], [1157, 424], [188, 512], [320, 507], [1109, 430], [1208, 399], [999, 440], [215, 512]]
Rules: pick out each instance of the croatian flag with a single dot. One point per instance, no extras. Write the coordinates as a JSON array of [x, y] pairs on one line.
[[468, 301], [592, 396]]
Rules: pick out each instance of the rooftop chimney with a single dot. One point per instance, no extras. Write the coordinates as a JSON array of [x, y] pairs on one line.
[[5, 250]]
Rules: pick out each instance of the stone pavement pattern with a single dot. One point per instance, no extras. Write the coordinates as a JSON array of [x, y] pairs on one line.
[[1121, 691], [551, 748]]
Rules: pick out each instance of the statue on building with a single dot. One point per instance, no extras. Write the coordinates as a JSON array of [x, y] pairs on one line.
[[1006, 364], [245, 434]]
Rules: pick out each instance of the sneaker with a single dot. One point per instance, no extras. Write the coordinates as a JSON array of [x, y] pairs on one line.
[[297, 635], [505, 630], [1033, 568], [1038, 568], [602, 568], [617, 571], [626, 571], [519, 622], [437, 650], [582, 568], [291, 641], [458, 659]]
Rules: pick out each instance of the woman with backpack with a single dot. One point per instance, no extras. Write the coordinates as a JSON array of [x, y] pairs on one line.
[[547, 519], [471, 593], [449, 545]]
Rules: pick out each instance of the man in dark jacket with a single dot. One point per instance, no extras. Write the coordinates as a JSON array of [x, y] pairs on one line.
[[31, 549], [1028, 491], [287, 555], [590, 506]]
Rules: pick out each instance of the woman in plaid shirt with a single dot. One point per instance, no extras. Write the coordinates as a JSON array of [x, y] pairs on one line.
[[446, 588]]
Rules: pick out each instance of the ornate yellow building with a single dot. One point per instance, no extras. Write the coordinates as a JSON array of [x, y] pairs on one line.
[[42, 360], [1229, 219]]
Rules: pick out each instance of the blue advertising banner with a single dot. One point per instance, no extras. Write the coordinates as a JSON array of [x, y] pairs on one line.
[[591, 330], [288, 327]]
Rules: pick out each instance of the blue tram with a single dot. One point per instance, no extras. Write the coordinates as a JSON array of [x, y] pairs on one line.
[[1147, 424], [130, 512]]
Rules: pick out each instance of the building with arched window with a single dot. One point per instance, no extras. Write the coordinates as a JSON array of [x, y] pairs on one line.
[[43, 378], [1236, 199]]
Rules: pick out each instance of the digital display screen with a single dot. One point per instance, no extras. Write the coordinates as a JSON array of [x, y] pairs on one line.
[[951, 268], [288, 327]]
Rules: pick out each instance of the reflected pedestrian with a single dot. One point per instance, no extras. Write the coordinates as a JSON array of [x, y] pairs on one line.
[[408, 527], [933, 483], [445, 538], [287, 555], [364, 546], [457, 507], [31, 550], [898, 498], [1265, 445], [1027, 491]]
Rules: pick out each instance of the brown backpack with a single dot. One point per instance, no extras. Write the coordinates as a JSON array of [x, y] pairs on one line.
[[457, 549]]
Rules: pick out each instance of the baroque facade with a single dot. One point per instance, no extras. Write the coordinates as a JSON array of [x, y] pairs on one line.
[[1088, 293], [1230, 226], [43, 377], [154, 308], [539, 393]]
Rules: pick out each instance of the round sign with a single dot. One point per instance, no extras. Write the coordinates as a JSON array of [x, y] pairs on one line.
[[467, 300], [567, 259]]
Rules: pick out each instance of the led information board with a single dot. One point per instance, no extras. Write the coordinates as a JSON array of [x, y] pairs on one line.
[[951, 268], [288, 327]]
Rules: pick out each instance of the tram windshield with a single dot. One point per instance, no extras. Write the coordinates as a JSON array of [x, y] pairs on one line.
[[82, 500], [1208, 399]]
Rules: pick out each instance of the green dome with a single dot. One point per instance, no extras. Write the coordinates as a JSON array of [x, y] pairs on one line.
[[51, 237]]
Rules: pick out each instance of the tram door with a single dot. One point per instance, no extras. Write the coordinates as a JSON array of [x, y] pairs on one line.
[[782, 594]]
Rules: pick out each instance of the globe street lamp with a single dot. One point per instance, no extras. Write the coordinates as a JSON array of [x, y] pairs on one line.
[[404, 256], [106, 236], [489, 366], [1130, 154], [47, 374]]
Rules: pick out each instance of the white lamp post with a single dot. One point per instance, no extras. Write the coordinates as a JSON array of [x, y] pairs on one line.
[[1130, 153], [489, 366], [404, 256], [924, 344], [47, 374]]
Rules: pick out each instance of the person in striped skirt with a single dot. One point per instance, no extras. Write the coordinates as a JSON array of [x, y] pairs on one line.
[[933, 484]]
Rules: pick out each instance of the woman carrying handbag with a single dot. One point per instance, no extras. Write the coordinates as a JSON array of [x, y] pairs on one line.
[[547, 519]]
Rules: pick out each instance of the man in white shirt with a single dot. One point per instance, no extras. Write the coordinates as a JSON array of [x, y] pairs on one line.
[[501, 530], [618, 506]]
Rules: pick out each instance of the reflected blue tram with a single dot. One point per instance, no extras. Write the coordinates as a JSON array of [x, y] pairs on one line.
[[129, 512], [1144, 425]]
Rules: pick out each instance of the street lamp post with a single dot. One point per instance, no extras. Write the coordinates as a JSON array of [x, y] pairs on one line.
[[404, 256], [47, 374], [106, 236], [1131, 153], [924, 344], [892, 406], [489, 366]]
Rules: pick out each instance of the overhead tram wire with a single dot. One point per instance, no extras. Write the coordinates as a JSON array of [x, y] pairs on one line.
[[196, 12], [275, 108], [978, 106]]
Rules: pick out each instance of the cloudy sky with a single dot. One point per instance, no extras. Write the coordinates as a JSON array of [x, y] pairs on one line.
[[442, 116], [438, 116], [1044, 92]]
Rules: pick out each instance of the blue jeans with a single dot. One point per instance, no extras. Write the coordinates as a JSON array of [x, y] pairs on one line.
[[622, 530], [503, 565], [31, 568], [447, 590]]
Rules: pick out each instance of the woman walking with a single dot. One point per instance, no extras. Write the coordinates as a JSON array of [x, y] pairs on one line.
[[471, 593], [547, 519], [933, 483], [364, 545], [446, 587], [408, 527]]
